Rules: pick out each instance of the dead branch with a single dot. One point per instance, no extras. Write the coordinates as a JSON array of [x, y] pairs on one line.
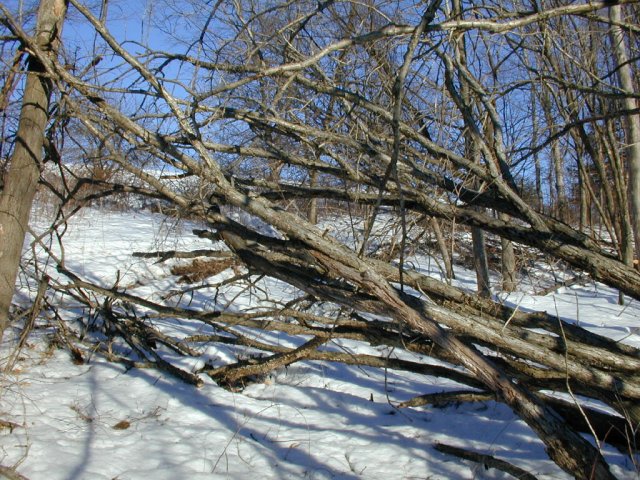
[[579, 279], [10, 473], [164, 255], [488, 461], [231, 375]]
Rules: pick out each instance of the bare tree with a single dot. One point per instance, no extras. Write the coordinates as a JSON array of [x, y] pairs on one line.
[[382, 107], [631, 121], [21, 178]]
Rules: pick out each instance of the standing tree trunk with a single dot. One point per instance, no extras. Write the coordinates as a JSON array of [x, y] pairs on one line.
[[444, 251], [583, 194], [493, 136], [562, 206], [631, 122], [480, 262], [473, 153], [559, 208], [21, 178], [312, 212], [508, 264], [536, 155]]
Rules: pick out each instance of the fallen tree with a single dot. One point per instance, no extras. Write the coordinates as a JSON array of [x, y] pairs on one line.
[[293, 104]]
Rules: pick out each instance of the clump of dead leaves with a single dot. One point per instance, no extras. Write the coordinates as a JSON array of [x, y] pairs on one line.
[[200, 269]]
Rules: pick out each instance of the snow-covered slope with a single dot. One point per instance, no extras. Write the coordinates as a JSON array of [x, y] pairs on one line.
[[98, 420]]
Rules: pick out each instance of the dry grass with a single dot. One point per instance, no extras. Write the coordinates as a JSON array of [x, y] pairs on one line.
[[200, 269]]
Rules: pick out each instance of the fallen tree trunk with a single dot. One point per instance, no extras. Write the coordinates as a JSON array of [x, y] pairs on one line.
[[570, 451], [590, 365], [326, 278]]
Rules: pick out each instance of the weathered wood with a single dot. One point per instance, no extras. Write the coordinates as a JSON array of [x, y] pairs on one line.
[[488, 461], [232, 374]]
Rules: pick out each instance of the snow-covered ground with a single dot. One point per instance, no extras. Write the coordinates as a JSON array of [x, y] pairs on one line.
[[98, 420]]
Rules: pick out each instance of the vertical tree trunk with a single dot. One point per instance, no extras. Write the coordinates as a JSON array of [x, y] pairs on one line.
[[562, 207], [631, 122], [508, 260], [508, 265], [584, 196], [536, 155], [21, 178], [442, 246], [480, 262], [556, 170], [312, 212], [472, 152], [559, 207]]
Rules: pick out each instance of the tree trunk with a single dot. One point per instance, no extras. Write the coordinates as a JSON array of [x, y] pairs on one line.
[[473, 153], [480, 262], [536, 156], [508, 266], [561, 207], [312, 212], [631, 122], [444, 251], [556, 173], [584, 201], [21, 178]]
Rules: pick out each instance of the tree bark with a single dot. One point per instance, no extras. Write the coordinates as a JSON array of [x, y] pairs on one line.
[[21, 179], [631, 122], [312, 212], [473, 153], [480, 262], [444, 251], [508, 266]]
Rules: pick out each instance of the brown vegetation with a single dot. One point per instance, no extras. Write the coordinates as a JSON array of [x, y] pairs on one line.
[[201, 269]]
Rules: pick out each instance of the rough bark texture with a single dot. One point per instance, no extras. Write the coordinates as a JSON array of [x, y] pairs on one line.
[[21, 179], [442, 247], [631, 121], [481, 263], [508, 266]]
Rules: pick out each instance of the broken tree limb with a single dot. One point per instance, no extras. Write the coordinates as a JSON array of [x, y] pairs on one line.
[[164, 255], [488, 461], [232, 374]]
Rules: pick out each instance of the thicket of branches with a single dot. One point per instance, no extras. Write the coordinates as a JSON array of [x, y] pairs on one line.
[[509, 119]]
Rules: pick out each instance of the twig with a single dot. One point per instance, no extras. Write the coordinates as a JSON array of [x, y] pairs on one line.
[[578, 279], [30, 322], [10, 474]]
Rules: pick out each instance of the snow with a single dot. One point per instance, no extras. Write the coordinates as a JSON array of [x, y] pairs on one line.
[[317, 420]]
